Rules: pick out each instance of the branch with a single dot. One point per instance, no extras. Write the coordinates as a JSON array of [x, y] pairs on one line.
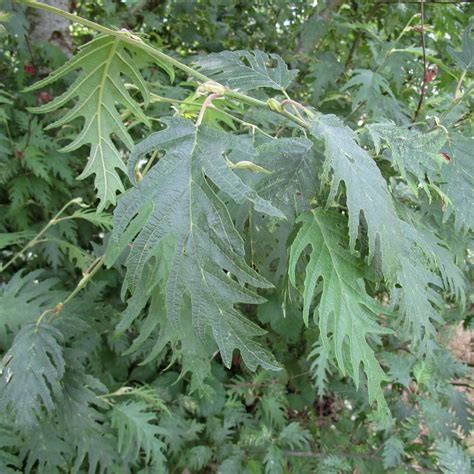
[[423, 46], [136, 41], [86, 278], [358, 36], [36, 238]]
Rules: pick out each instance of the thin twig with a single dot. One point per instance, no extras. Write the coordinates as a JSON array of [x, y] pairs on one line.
[[423, 46], [36, 239], [32, 56], [296, 106], [150, 162], [359, 36], [457, 92], [252, 126], [86, 278]]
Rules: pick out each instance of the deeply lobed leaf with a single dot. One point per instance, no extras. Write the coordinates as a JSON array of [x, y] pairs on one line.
[[175, 202], [246, 71], [346, 313], [97, 91], [31, 373], [366, 190]]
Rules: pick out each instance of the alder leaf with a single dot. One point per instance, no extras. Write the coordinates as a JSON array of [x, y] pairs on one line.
[[9, 463], [188, 348], [98, 88], [324, 74], [176, 201], [458, 177], [366, 190], [436, 252], [246, 70], [293, 182], [136, 432], [320, 358], [418, 300], [46, 449], [393, 452], [346, 313], [415, 155], [22, 300], [291, 186], [465, 57], [451, 457], [31, 373], [371, 90]]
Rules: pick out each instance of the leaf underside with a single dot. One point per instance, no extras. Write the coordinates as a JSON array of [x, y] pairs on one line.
[[97, 90]]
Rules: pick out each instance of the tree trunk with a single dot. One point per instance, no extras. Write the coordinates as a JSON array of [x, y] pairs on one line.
[[50, 28]]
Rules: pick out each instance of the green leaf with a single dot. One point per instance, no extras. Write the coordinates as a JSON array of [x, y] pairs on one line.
[[333, 464], [320, 367], [461, 406], [458, 176], [274, 409], [399, 368], [451, 458], [136, 431], [180, 430], [187, 346], [46, 450], [15, 21], [198, 457], [11, 238], [366, 190], [22, 300], [324, 73], [175, 201], [8, 461], [103, 220], [416, 155], [393, 451], [294, 437], [439, 257], [79, 419], [371, 90], [31, 373], [293, 182], [345, 310], [438, 419], [245, 70], [98, 88], [274, 460], [418, 300], [465, 57]]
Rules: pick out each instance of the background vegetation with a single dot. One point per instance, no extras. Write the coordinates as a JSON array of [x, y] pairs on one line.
[[95, 377]]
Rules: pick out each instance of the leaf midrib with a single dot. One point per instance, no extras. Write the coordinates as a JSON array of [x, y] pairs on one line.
[[99, 106]]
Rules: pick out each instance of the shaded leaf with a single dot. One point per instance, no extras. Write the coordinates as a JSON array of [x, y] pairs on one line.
[[366, 190], [345, 311], [31, 373]]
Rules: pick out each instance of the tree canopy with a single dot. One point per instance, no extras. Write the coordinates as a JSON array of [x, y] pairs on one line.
[[236, 236]]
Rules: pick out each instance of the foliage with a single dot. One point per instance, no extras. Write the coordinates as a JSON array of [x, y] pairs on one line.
[[235, 237]]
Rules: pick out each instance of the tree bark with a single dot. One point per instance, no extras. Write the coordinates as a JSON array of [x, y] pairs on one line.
[[49, 28]]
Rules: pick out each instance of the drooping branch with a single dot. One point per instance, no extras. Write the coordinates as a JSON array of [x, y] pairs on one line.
[[129, 38]]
